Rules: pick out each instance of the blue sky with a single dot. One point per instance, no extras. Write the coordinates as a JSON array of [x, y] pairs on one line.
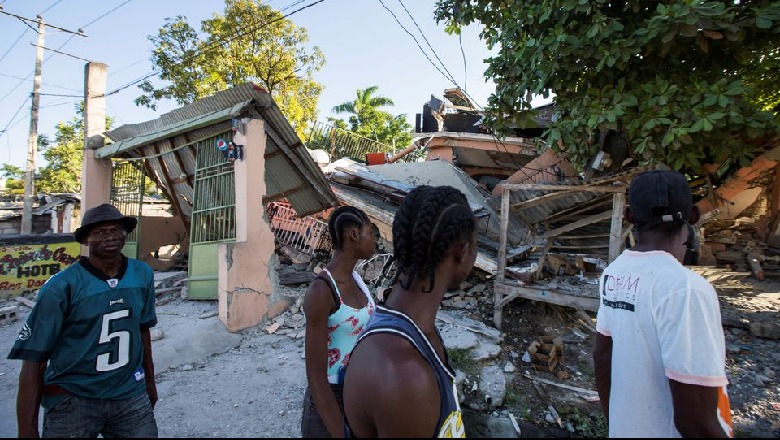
[[362, 43]]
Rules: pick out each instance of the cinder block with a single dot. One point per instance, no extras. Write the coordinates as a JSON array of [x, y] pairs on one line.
[[8, 314]]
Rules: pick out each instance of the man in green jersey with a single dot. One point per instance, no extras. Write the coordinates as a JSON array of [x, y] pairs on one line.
[[86, 346]]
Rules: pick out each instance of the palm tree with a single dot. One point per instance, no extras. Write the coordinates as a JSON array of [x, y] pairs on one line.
[[364, 110]]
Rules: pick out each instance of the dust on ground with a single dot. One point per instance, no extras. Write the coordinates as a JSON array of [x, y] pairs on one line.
[[253, 386]]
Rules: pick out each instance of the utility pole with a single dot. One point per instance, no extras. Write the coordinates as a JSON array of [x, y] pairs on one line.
[[32, 142], [29, 177]]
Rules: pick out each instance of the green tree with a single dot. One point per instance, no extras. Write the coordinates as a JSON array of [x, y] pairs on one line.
[[11, 171], [367, 118], [674, 77], [64, 157], [249, 41]]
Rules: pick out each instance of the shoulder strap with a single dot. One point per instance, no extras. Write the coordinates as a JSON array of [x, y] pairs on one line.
[[332, 292]]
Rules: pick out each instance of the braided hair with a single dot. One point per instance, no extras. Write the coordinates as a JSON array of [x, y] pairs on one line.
[[429, 220], [341, 219]]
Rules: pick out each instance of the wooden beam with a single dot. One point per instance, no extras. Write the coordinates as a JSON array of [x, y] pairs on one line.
[[582, 207], [616, 229], [510, 292], [579, 188], [582, 237], [501, 259], [592, 246], [579, 223], [541, 199]]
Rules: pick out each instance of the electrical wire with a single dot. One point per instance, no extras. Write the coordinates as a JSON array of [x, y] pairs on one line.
[[43, 83], [13, 45], [465, 66], [436, 55], [3, 131], [63, 45], [105, 14], [47, 9], [450, 77], [247, 30]]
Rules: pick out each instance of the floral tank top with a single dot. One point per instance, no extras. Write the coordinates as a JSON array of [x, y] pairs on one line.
[[344, 327]]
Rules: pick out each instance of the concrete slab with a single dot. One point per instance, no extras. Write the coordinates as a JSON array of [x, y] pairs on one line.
[[189, 339]]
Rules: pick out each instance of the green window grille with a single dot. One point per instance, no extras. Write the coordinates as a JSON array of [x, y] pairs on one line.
[[214, 199], [127, 192]]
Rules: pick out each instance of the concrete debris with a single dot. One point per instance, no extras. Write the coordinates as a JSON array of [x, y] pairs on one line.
[[209, 314], [24, 301], [156, 334], [8, 315], [766, 330]]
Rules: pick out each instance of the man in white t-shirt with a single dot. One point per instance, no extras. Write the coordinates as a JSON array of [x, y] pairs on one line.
[[660, 351]]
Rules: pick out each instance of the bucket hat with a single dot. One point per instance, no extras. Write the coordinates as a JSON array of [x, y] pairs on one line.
[[101, 214]]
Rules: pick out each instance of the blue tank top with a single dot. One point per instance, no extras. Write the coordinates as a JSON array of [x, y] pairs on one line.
[[450, 423]]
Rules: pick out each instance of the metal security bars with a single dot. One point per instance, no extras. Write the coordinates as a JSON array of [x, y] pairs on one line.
[[340, 143], [214, 199], [127, 192], [308, 235]]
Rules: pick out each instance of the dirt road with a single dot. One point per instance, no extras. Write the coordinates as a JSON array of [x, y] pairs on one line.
[[211, 383]]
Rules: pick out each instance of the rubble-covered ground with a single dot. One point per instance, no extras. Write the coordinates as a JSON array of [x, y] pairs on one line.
[[752, 363], [253, 388]]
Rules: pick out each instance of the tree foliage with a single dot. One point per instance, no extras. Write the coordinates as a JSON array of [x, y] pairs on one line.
[[62, 173], [249, 41], [11, 171], [367, 118], [64, 157], [684, 81]]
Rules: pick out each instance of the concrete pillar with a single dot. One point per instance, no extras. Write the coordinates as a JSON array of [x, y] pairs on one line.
[[95, 173], [247, 268]]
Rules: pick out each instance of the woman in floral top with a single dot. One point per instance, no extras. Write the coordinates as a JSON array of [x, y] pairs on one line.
[[338, 305]]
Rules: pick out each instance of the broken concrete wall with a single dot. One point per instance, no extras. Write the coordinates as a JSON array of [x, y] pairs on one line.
[[248, 287]]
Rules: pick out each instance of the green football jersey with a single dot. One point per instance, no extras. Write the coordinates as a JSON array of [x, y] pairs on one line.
[[89, 329]]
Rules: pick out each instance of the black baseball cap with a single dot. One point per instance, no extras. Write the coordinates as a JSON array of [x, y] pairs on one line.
[[660, 196]]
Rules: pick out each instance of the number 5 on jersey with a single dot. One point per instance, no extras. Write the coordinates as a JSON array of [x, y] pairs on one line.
[[123, 356]]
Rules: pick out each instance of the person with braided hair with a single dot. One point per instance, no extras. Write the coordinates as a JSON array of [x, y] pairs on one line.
[[398, 382], [337, 306]]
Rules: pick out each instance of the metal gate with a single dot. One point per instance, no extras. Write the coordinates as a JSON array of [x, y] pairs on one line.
[[213, 216], [127, 193]]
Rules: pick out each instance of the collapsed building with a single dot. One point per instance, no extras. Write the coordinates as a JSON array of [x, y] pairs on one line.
[[546, 231]]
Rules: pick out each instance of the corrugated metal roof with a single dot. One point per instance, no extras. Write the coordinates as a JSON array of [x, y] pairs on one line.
[[536, 214], [166, 144]]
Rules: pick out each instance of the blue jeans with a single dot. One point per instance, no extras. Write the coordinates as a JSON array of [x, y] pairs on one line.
[[75, 416]]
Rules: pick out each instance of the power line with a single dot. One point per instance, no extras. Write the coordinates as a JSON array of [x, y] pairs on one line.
[[14, 116], [61, 96], [47, 9], [127, 67], [46, 84], [65, 53], [13, 45], [291, 5], [61, 46], [247, 30], [451, 76], [465, 68], [25, 19], [112, 10]]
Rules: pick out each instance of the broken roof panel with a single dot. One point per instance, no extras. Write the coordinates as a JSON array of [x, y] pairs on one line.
[[169, 145]]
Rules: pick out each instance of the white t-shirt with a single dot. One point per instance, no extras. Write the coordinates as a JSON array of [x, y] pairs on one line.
[[664, 321]]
